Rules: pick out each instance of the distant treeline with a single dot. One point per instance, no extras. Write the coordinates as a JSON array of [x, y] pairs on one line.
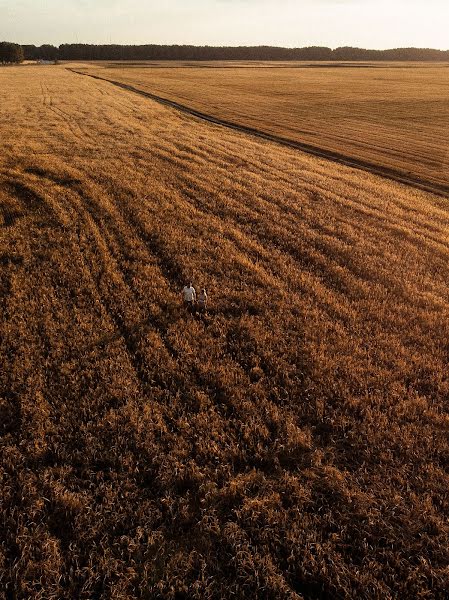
[[10, 53], [264, 53]]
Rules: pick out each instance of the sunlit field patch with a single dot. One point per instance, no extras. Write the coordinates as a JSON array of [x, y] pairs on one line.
[[394, 116]]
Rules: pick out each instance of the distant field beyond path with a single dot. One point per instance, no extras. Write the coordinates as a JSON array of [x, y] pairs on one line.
[[293, 443], [392, 115]]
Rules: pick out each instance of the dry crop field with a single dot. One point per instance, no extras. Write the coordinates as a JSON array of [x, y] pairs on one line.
[[392, 116], [293, 443]]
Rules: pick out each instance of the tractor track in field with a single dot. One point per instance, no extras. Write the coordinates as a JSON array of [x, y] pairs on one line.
[[391, 174], [78, 132], [130, 323]]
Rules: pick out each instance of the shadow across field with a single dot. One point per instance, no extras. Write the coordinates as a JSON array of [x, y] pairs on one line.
[[58, 179], [24, 201]]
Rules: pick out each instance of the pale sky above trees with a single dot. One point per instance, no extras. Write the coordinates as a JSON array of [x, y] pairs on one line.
[[364, 23]]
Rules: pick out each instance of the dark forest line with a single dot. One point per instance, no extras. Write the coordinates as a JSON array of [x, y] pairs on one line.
[[263, 53]]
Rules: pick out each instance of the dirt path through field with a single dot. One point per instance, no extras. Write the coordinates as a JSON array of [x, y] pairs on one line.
[[382, 171]]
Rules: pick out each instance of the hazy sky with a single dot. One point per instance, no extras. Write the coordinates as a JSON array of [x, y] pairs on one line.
[[364, 23]]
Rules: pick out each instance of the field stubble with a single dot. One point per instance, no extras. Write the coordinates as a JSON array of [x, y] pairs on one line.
[[294, 442]]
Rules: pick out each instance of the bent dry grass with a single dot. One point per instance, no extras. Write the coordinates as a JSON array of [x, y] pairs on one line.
[[291, 444]]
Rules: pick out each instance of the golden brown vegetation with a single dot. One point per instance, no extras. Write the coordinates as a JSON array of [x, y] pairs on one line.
[[395, 116], [291, 444]]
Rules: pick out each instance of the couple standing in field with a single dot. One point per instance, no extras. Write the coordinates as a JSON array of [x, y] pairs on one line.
[[191, 301]]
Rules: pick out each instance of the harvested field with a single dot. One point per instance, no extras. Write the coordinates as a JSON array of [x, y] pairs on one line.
[[392, 117], [293, 443]]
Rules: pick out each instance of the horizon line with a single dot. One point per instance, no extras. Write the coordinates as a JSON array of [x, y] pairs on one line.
[[236, 46]]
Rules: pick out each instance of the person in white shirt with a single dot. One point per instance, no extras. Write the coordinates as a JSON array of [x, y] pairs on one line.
[[202, 301], [189, 295]]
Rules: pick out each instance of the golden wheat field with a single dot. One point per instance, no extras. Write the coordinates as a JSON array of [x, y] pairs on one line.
[[293, 442], [393, 117]]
